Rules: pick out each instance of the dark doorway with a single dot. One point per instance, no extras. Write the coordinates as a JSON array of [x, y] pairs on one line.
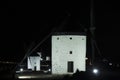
[[35, 68], [70, 66]]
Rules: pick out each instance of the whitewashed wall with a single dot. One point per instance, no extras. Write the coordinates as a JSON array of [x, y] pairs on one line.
[[61, 47], [34, 61]]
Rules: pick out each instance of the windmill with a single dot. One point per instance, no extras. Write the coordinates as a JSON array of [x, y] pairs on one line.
[[91, 30], [34, 46]]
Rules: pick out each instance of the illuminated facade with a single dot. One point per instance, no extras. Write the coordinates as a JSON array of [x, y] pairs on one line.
[[68, 53], [34, 63]]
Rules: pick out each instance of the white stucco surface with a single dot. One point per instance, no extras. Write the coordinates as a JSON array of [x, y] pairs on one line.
[[62, 46], [34, 61]]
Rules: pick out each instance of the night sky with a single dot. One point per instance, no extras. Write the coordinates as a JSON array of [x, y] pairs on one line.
[[25, 22]]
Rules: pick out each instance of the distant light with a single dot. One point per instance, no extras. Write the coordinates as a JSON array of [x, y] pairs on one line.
[[21, 69], [45, 71], [24, 77], [110, 64], [95, 71], [49, 69]]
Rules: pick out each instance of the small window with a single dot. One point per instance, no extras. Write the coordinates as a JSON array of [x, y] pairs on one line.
[[57, 38], [70, 52], [70, 38]]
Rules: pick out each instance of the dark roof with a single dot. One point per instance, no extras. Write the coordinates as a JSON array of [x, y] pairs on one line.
[[69, 33], [34, 54]]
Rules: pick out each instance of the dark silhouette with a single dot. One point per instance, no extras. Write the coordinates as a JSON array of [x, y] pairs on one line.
[[78, 75]]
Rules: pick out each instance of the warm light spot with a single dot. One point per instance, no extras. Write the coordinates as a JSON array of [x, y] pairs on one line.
[[24, 77]]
